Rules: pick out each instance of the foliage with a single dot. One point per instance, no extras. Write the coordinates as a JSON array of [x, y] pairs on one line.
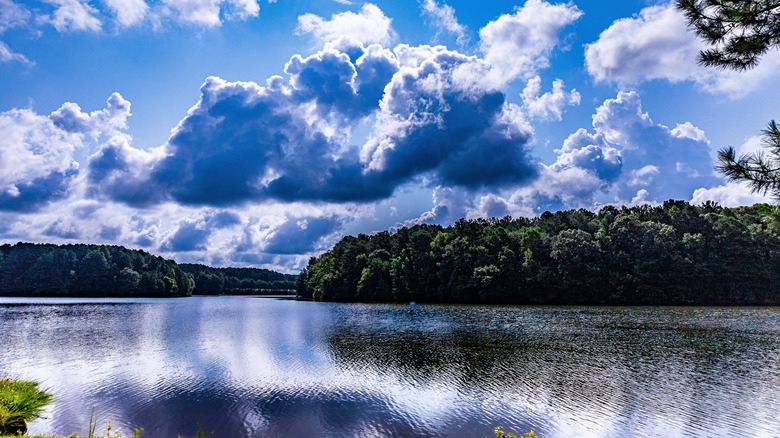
[[237, 281], [673, 254], [739, 31], [500, 433], [760, 170], [28, 269], [20, 401]]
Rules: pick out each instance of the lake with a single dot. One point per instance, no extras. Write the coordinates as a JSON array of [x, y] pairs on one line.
[[247, 367]]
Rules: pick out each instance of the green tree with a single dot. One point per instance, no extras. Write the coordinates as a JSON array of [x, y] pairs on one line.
[[738, 31], [760, 170]]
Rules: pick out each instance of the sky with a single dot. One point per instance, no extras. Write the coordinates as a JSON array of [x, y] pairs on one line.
[[259, 132]]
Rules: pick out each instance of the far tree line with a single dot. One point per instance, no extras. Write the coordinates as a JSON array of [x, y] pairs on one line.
[[28, 269], [674, 254]]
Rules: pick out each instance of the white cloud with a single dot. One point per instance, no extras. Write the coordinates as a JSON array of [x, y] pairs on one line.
[[8, 55], [731, 194], [73, 15], [520, 44], [444, 20], [12, 15], [128, 12], [656, 44], [550, 105], [369, 26], [209, 13]]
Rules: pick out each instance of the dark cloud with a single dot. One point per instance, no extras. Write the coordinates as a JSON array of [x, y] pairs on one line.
[[191, 236], [300, 235], [443, 121], [30, 196]]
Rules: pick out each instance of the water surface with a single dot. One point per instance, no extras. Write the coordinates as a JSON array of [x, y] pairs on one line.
[[247, 367]]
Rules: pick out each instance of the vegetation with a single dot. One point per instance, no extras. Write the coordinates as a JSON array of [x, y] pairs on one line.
[[674, 254], [28, 269], [501, 434], [20, 401], [738, 31], [237, 281], [762, 172]]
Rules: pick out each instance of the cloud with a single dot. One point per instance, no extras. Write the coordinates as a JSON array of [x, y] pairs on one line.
[[656, 44], [72, 15], [449, 204], [289, 141], [433, 120], [590, 152], [731, 194], [444, 20], [36, 160], [12, 15], [520, 44], [194, 234], [629, 159], [128, 12], [8, 55], [668, 163], [209, 13], [300, 235], [369, 26], [550, 105], [112, 119]]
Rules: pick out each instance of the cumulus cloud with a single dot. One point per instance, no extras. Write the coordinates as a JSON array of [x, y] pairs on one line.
[[444, 21], [288, 141], [36, 158], [431, 119], [449, 204], [369, 26], [520, 44], [628, 159], [656, 44], [550, 105], [668, 163], [37, 152]]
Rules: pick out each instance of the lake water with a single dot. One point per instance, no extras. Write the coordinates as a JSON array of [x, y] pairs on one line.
[[247, 367]]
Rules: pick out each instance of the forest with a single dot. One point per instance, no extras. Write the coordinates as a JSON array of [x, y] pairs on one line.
[[672, 254], [238, 281], [28, 269]]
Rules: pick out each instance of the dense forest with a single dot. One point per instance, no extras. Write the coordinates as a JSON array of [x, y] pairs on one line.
[[674, 254], [28, 269], [237, 281]]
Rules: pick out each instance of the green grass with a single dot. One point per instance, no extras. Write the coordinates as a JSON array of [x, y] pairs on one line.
[[20, 401]]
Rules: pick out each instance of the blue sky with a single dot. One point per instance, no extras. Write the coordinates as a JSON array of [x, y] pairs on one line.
[[257, 133]]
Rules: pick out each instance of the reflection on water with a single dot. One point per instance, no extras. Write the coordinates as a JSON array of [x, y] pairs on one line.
[[246, 367]]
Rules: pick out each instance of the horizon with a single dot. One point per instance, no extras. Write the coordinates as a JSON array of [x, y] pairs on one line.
[[258, 133]]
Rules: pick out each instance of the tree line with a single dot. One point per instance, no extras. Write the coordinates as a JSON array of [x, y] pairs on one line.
[[237, 281], [28, 269], [673, 254]]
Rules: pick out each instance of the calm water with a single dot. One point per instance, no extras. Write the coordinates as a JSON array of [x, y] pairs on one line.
[[247, 367]]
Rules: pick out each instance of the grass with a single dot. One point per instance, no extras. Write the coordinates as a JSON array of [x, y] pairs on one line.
[[93, 427], [500, 433], [20, 401]]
